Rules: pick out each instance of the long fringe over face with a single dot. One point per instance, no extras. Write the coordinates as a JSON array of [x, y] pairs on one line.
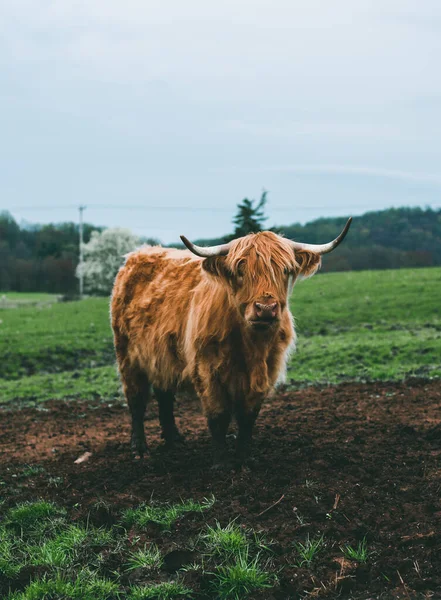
[[262, 264]]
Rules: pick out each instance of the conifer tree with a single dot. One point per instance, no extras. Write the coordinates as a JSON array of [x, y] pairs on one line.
[[250, 216]]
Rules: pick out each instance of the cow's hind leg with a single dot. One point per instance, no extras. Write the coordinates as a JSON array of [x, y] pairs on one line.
[[137, 392], [166, 399]]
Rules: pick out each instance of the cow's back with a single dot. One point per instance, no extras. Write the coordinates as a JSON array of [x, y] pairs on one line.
[[149, 309]]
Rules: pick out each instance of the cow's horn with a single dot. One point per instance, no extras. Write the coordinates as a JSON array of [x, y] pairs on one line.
[[324, 248], [221, 250]]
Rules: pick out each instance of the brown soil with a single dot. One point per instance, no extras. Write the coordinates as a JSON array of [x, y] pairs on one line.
[[350, 461]]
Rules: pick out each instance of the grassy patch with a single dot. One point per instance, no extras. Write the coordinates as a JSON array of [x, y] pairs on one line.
[[164, 516], [162, 591], [309, 550], [145, 558], [369, 325], [86, 586], [10, 564], [31, 518], [235, 553], [74, 561], [332, 302], [97, 383], [361, 354], [360, 553], [55, 337], [242, 577], [37, 534], [32, 471], [70, 546], [224, 541]]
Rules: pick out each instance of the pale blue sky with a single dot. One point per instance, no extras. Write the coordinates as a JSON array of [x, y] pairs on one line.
[[334, 107]]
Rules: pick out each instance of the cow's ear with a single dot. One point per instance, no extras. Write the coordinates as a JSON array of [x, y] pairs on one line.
[[215, 265], [308, 262]]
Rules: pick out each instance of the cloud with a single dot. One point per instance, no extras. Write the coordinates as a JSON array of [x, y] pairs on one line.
[[431, 178], [301, 42], [342, 169], [205, 103], [291, 130]]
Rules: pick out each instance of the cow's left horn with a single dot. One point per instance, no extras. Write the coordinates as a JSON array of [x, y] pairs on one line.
[[221, 250], [324, 248]]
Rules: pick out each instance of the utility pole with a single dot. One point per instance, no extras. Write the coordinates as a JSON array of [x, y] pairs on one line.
[[81, 208]]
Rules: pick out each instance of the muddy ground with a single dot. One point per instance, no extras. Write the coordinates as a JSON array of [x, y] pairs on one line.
[[350, 462]]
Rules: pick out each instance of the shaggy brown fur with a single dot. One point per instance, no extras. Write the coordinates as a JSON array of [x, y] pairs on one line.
[[181, 319]]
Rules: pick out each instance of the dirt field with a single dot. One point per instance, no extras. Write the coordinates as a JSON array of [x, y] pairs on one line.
[[347, 462]]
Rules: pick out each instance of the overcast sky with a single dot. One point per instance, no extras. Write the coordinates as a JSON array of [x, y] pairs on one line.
[[334, 107]]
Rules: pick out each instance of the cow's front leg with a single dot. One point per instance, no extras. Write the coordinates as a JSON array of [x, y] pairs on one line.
[[217, 408], [218, 424], [246, 415], [216, 402]]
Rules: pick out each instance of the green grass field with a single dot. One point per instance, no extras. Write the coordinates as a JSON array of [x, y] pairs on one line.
[[37, 536], [351, 326], [368, 325]]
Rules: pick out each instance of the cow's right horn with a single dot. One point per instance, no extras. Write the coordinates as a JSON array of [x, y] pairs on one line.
[[221, 250]]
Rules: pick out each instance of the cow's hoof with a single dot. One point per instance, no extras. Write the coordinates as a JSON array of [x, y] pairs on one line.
[[138, 448], [139, 456], [245, 468], [172, 437], [223, 465], [245, 463]]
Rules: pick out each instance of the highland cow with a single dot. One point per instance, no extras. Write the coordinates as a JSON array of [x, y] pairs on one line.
[[217, 318]]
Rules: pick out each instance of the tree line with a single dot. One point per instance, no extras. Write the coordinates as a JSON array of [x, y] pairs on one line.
[[39, 258], [44, 258]]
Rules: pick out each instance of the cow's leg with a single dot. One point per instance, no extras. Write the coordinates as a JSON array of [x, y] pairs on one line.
[[137, 392], [170, 432], [218, 423], [216, 406], [136, 389], [245, 417]]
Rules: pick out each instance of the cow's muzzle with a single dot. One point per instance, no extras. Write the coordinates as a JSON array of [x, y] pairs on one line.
[[265, 314]]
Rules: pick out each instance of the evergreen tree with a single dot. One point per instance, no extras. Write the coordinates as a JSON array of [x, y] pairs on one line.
[[250, 216]]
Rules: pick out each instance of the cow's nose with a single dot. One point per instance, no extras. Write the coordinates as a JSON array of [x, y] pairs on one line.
[[266, 311]]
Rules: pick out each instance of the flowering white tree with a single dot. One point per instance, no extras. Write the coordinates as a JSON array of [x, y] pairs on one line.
[[103, 256]]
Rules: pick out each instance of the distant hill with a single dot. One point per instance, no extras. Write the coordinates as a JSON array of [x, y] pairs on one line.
[[387, 239], [43, 258]]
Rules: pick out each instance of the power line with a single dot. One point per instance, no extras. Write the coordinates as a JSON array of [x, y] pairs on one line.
[[120, 207], [142, 207]]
